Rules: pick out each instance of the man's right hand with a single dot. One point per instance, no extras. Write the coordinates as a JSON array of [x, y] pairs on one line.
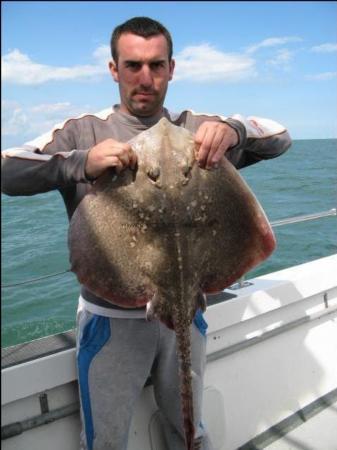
[[109, 153]]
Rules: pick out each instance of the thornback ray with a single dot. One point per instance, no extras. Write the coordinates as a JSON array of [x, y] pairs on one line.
[[165, 233]]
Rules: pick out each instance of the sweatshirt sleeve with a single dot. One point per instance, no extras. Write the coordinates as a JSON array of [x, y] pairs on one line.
[[259, 139], [52, 161]]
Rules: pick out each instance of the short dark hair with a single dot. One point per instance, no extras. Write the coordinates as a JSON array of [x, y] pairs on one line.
[[141, 26]]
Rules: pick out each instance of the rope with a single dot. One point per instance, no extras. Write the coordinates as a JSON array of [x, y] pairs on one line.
[[33, 280]]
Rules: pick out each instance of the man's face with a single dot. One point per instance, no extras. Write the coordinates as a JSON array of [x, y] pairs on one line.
[[143, 72]]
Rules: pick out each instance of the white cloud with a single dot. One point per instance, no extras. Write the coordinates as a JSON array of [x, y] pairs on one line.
[[322, 76], [51, 107], [201, 63], [272, 42], [281, 59], [18, 68], [30, 122], [324, 48], [205, 63], [196, 63], [102, 55], [13, 118]]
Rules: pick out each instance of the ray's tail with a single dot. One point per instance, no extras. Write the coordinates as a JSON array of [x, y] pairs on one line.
[[185, 368]]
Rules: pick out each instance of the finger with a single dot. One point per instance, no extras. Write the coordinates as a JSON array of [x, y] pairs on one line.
[[114, 161], [133, 159], [209, 147], [117, 149], [200, 134], [216, 150], [124, 157], [198, 139], [123, 153], [204, 148], [127, 156]]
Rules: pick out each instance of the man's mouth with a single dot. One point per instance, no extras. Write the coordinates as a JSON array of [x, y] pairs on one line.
[[145, 94]]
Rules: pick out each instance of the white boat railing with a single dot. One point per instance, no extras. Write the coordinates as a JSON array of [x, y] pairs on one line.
[[303, 218]]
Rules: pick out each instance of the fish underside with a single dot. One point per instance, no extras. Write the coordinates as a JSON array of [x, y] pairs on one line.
[[165, 233]]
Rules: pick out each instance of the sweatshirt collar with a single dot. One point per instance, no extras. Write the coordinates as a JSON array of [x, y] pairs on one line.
[[142, 123]]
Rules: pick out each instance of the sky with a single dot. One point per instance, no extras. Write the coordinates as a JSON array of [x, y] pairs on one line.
[[268, 59]]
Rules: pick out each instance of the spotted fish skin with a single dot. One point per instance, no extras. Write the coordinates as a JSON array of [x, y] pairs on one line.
[[165, 233]]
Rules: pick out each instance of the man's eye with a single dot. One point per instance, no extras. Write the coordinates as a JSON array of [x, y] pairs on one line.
[[157, 65], [133, 65]]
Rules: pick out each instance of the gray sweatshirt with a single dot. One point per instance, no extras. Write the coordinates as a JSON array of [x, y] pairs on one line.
[[57, 159]]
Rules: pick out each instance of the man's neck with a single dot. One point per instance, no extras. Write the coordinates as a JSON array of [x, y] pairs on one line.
[[146, 120]]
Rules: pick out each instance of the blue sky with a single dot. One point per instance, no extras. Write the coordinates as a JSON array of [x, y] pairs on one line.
[[268, 59]]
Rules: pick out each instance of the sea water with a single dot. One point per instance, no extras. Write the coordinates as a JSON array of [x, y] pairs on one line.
[[34, 238]]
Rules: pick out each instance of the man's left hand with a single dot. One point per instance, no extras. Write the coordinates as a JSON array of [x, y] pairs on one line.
[[213, 140]]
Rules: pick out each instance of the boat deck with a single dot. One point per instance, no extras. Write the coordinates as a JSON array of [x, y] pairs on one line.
[[312, 428], [318, 433]]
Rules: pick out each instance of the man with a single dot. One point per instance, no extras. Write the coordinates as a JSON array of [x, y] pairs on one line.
[[117, 349]]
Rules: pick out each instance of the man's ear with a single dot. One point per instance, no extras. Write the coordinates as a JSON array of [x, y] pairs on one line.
[[172, 66], [114, 71]]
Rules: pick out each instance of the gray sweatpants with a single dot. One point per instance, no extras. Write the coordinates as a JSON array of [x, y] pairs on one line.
[[114, 358]]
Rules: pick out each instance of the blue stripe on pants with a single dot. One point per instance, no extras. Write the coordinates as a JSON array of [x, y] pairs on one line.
[[200, 322], [95, 334]]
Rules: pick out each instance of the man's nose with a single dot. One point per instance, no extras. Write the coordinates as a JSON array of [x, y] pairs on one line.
[[146, 76]]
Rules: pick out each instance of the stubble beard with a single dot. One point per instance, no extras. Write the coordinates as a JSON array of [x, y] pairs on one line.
[[146, 108]]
